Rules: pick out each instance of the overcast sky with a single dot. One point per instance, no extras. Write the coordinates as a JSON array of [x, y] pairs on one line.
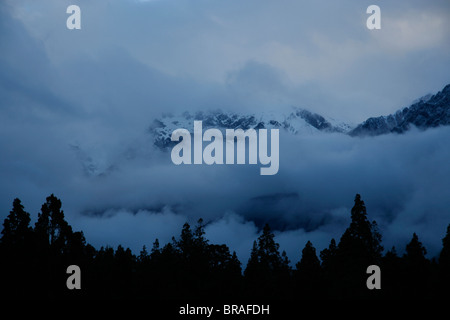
[[71, 97]]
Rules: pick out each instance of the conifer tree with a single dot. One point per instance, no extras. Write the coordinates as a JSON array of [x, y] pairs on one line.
[[235, 265], [16, 227], [267, 269], [308, 273], [155, 253], [51, 228], [444, 256], [361, 240], [265, 256], [415, 251], [444, 267], [186, 242], [15, 256], [359, 247], [309, 263], [143, 257], [417, 268], [328, 255]]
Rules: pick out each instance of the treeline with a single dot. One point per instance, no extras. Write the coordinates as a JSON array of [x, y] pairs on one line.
[[33, 263]]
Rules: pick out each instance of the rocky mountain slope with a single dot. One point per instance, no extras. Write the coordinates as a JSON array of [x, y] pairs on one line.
[[426, 112]]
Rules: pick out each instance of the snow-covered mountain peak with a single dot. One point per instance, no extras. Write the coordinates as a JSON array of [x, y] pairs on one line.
[[298, 121]]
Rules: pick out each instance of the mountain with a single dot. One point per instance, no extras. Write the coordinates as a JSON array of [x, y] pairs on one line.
[[299, 121], [427, 112]]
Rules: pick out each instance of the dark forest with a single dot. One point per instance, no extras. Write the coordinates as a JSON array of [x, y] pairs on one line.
[[34, 261]]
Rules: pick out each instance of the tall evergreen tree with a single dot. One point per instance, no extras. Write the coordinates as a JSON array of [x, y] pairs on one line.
[[361, 239], [416, 271], [186, 242], [265, 256], [308, 273], [359, 247], [15, 251], [444, 267], [309, 263], [267, 270], [16, 227], [235, 265], [124, 262], [328, 255], [415, 251], [51, 228], [391, 274], [143, 257], [444, 256]]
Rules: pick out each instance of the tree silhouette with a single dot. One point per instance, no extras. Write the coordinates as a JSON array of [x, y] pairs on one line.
[[328, 256], [416, 268], [15, 246], [34, 261], [51, 228], [444, 256], [104, 271], [444, 266], [415, 252], [359, 247], [16, 227], [361, 239], [266, 266], [308, 273], [124, 262], [391, 265]]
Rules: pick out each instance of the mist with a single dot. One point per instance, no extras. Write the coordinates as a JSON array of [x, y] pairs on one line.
[[75, 110]]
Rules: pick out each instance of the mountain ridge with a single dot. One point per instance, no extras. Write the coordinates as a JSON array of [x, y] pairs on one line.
[[299, 121], [426, 112]]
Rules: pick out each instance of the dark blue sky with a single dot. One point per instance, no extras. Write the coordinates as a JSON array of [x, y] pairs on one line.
[[71, 98]]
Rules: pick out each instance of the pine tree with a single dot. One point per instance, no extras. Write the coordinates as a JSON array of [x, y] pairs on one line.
[[143, 257], [186, 242], [16, 260], [361, 240], [265, 257], [171, 267], [359, 247], [51, 228], [234, 265], [329, 266], [308, 273], [416, 274], [252, 269], [201, 251], [199, 239], [415, 251], [444, 267], [124, 263], [155, 253], [267, 270], [16, 230], [444, 256], [391, 275], [268, 253], [309, 263], [328, 256]]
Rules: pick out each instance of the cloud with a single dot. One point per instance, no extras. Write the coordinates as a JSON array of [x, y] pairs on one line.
[[130, 229], [75, 109], [403, 180], [330, 61]]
